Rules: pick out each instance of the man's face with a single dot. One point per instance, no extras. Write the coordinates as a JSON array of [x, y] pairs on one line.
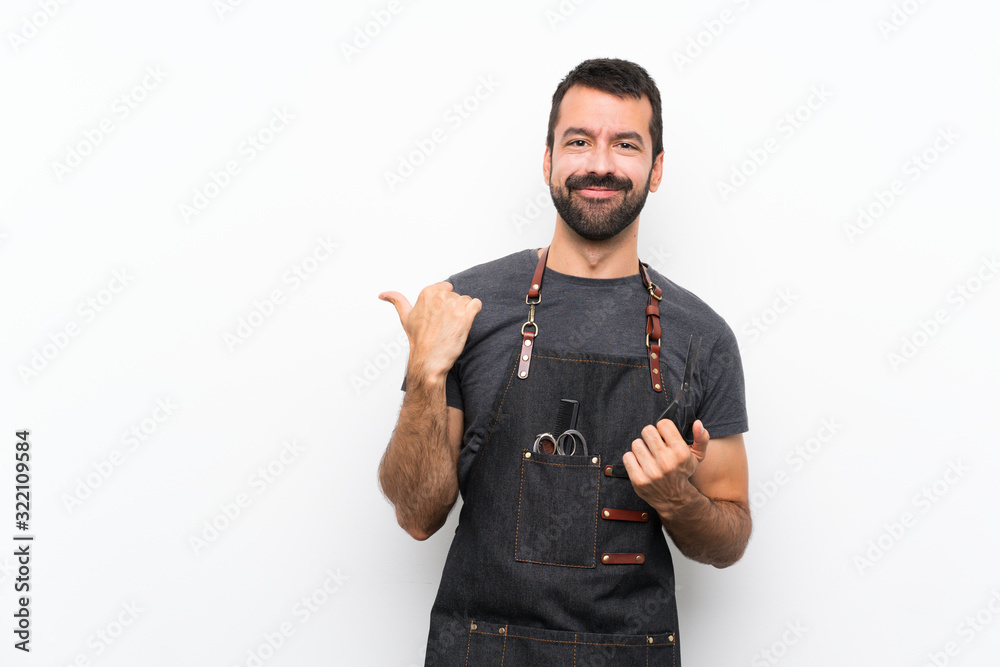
[[601, 166]]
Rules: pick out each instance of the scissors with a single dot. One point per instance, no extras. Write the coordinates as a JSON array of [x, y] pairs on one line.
[[680, 411], [555, 444], [547, 443]]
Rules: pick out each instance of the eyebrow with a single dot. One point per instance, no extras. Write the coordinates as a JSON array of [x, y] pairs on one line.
[[618, 136]]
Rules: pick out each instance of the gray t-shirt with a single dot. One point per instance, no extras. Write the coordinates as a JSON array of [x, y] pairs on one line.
[[597, 316]]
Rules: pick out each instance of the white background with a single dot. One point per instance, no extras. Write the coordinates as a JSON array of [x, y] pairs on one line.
[[845, 548]]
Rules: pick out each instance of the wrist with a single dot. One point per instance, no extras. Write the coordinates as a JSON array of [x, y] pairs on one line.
[[688, 505], [425, 377]]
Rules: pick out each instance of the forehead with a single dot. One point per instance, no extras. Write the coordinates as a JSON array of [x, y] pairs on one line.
[[603, 113]]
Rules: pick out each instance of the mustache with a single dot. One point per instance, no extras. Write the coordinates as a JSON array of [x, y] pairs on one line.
[[579, 182]]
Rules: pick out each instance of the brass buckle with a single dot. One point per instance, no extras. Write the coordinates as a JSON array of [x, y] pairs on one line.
[[652, 291]]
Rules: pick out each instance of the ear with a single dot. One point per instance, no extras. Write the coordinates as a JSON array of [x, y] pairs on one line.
[[547, 164], [657, 175]]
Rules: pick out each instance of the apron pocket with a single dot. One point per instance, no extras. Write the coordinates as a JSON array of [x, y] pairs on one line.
[[557, 510], [516, 646]]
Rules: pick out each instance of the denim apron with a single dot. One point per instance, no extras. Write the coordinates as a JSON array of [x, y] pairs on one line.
[[556, 560]]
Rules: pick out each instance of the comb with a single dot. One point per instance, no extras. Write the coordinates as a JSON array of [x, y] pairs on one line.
[[568, 412]]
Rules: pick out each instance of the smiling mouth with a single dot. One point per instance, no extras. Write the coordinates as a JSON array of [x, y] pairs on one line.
[[598, 193]]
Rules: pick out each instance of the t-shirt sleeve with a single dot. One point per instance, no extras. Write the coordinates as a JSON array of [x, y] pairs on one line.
[[452, 389], [723, 408]]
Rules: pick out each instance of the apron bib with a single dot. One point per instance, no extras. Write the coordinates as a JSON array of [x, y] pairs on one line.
[[556, 560]]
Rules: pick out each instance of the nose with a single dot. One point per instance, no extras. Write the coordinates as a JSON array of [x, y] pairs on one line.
[[599, 161]]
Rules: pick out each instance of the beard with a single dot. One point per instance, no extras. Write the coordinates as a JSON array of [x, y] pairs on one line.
[[599, 219]]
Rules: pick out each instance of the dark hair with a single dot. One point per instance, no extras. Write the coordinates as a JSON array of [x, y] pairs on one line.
[[617, 77]]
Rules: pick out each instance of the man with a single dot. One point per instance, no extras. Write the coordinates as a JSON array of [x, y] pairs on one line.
[[534, 386]]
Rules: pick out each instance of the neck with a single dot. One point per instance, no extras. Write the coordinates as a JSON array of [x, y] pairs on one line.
[[574, 255]]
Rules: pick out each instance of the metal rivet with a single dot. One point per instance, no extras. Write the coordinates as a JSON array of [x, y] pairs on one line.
[[593, 460], [502, 630], [606, 514], [656, 371], [527, 455], [527, 342], [473, 626], [607, 470], [652, 356], [535, 286], [645, 515], [649, 640], [670, 638], [638, 559], [524, 357], [524, 374], [656, 387], [606, 559]]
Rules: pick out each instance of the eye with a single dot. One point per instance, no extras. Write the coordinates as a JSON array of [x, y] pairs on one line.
[[577, 142], [628, 146]]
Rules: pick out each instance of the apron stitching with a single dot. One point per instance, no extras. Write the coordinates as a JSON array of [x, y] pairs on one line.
[[566, 641], [520, 494], [567, 465], [468, 648], [496, 419], [574, 649], [503, 650], [542, 562], [590, 361], [517, 524], [597, 506]]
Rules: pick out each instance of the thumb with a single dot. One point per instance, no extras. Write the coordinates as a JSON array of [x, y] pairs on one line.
[[700, 446], [401, 303]]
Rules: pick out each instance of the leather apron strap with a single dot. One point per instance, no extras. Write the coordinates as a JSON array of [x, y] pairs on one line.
[[534, 297]]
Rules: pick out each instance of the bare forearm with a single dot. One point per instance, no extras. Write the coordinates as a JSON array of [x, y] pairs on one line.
[[418, 473], [710, 531]]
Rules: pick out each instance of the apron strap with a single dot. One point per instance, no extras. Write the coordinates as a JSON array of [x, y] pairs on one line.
[[652, 327], [534, 297]]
